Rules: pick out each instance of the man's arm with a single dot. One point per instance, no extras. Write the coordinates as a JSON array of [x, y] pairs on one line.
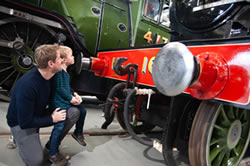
[[26, 107]]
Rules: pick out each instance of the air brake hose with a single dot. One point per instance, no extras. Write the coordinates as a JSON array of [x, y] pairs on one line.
[[108, 112], [131, 93]]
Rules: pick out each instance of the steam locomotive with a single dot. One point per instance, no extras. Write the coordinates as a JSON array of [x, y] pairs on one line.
[[203, 74], [196, 87]]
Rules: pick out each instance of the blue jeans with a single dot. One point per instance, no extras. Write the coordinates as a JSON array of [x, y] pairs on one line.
[[55, 138], [58, 128], [80, 123]]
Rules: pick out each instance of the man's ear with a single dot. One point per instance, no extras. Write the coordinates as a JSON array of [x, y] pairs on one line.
[[50, 64]]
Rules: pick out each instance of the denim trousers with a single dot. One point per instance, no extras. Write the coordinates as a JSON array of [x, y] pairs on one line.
[[80, 123], [59, 126], [55, 138]]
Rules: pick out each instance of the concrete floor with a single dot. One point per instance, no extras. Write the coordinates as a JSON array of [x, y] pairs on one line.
[[102, 149], [109, 147]]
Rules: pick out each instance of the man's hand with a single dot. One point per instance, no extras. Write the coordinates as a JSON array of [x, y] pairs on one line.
[[58, 116]]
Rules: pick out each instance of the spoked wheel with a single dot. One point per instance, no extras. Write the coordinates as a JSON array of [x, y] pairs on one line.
[[133, 108], [18, 40], [219, 135]]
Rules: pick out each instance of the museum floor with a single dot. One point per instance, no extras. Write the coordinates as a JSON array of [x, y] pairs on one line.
[[110, 147]]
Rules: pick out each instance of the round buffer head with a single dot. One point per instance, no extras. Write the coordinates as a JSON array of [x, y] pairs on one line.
[[173, 69]]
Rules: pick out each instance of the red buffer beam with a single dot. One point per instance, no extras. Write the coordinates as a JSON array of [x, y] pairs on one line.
[[205, 72]]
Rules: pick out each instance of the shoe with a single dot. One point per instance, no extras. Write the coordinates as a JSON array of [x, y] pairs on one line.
[[58, 160], [66, 156], [47, 147], [80, 139], [11, 144]]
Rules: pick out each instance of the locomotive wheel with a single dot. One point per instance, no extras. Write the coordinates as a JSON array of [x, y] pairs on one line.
[[219, 135], [18, 59]]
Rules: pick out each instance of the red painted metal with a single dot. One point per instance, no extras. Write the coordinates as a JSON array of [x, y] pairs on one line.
[[142, 57], [236, 56], [213, 76], [99, 65], [225, 70]]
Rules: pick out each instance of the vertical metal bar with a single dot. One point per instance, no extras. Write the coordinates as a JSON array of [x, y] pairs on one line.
[[130, 26], [100, 27]]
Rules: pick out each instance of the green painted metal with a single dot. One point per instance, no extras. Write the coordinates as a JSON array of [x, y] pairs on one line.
[[115, 14], [85, 20], [111, 35], [229, 136], [143, 24]]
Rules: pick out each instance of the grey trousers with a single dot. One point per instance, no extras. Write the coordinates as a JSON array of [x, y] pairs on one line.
[[28, 140]]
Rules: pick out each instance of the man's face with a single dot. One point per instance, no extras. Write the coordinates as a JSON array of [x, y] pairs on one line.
[[57, 65]]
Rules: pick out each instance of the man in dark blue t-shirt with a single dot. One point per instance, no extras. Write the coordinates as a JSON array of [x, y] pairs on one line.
[[27, 110]]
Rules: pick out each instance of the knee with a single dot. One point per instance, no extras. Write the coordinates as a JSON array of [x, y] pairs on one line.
[[73, 114], [59, 126]]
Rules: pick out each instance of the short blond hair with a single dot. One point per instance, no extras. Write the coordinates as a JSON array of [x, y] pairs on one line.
[[65, 51], [45, 53]]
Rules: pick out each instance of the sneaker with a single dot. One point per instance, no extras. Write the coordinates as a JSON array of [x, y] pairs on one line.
[[11, 144], [80, 139], [58, 160]]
